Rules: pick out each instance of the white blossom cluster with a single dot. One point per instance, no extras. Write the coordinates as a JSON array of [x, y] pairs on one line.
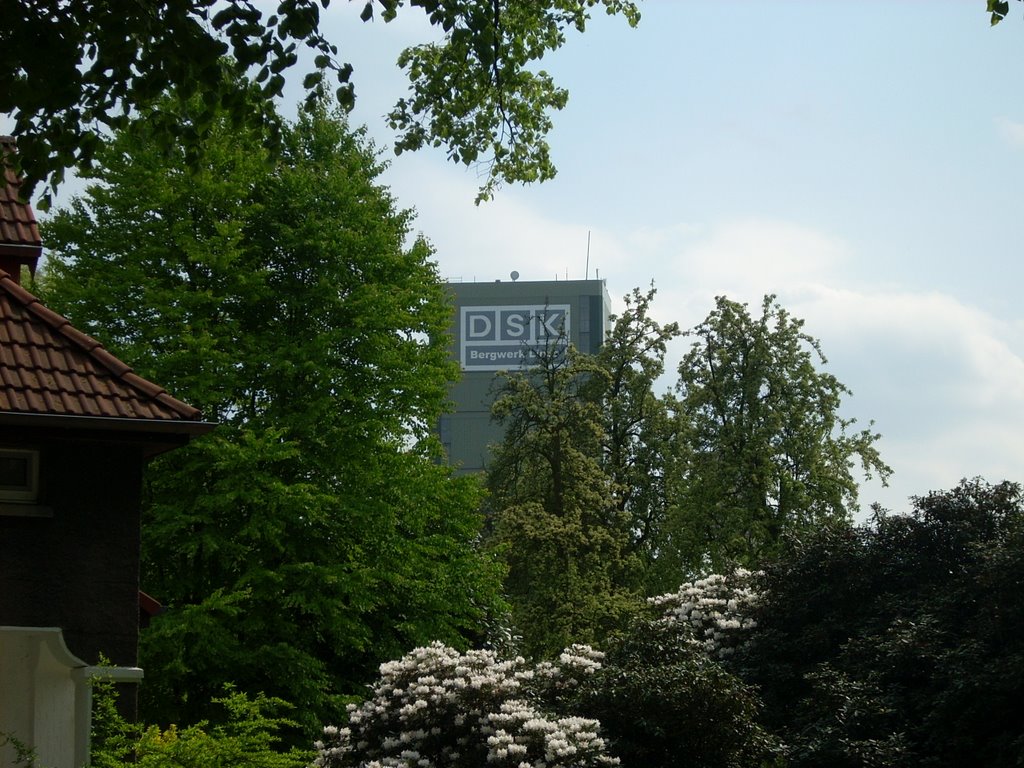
[[573, 664], [437, 707], [716, 610]]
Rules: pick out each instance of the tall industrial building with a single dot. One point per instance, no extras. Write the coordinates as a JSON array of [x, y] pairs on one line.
[[494, 327]]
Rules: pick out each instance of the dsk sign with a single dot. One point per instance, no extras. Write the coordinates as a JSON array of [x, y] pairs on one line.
[[502, 337]]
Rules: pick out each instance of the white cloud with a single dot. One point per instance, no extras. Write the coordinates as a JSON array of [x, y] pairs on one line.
[[745, 259], [1012, 131], [486, 242], [941, 380], [928, 345]]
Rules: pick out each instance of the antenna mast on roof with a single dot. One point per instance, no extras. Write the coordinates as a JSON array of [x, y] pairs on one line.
[[586, 273]]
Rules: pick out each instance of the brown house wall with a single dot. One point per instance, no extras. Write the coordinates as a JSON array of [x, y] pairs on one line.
[[79, 569]]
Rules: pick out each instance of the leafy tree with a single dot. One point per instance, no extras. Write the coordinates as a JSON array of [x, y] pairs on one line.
[[586, 445], [637, 440], [314, 533], [555, 520], [899, 642], [75, 70], [750, 446], [763, 450]]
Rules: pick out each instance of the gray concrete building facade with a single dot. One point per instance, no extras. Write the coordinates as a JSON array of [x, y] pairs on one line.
[[494, 328]]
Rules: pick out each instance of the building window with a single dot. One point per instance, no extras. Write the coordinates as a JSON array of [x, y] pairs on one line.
[[19, 476]]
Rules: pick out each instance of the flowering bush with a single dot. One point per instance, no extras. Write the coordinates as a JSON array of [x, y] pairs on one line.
[[439, 707], [661, 693], [716, 609], [663, 702]]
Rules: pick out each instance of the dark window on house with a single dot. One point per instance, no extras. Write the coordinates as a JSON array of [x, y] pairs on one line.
[[19, 475]]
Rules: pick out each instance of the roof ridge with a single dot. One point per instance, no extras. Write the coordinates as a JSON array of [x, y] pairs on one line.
[[94, 349]]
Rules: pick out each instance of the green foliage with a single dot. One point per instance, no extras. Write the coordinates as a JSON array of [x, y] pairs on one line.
[[22, 753], [475, 92], [248, 738], [75, 71], [900, 642], [555, 522], [314, 533], [999, 10], [663, 702], [763, 449], [578, 484], [637, 442]]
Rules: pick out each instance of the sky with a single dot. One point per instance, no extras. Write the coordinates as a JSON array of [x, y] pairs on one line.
[[860, 160]]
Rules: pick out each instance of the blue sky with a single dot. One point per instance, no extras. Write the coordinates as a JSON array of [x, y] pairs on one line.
[[861, 160]]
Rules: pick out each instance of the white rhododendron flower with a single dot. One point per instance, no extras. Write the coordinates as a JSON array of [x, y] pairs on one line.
[[437, 707], [716, 609]]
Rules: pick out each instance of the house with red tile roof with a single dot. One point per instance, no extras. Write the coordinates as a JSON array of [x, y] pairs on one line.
[[77, 426]]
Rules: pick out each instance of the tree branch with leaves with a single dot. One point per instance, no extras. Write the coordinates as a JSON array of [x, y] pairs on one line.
[[75, 72]]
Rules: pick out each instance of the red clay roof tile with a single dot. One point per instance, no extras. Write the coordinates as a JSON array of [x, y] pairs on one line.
[[49, 367], [19, 232]]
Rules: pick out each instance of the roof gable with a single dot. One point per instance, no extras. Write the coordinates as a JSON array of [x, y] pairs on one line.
[[49, 367]]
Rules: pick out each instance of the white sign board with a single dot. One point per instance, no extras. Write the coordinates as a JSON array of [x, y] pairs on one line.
[[508, 336]]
